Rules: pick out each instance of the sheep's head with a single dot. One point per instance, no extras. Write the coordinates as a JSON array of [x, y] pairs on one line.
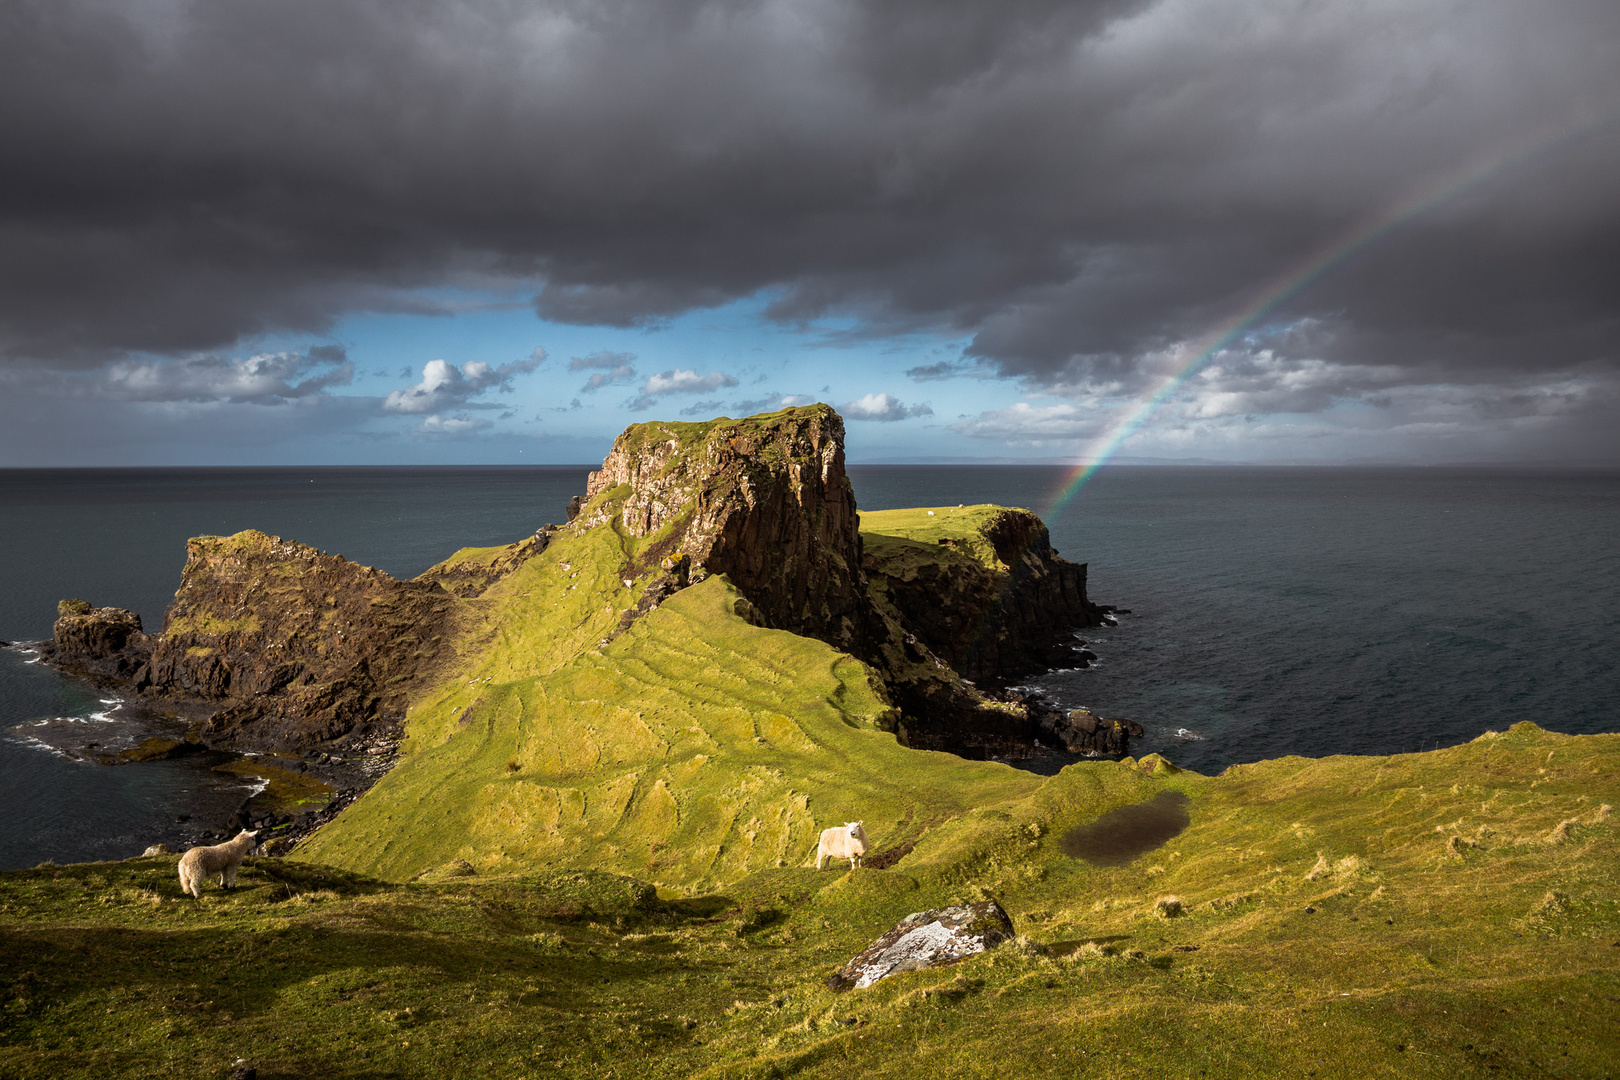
[[856, 829]]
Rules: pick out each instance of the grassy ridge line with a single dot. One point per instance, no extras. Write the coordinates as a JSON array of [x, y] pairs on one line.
[[694, 749]]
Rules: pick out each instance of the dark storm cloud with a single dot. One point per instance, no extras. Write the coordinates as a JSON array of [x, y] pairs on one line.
[[1073, 186]]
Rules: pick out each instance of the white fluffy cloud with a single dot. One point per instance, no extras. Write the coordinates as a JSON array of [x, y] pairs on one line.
[[678, 381], [883, 406], [686, 381], [445, 386], [453, 425], [1026, 423]]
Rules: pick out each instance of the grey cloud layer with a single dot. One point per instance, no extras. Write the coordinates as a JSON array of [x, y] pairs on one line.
[[1074, 186]]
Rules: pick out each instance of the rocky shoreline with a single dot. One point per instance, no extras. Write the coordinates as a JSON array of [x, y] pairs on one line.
[[296, 794]]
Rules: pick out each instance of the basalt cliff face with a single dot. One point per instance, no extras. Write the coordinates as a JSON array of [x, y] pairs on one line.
[[762, 500], [766, 502], [293, 646]]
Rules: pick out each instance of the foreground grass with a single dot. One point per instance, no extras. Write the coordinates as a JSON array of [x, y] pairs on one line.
[[1429, 915]]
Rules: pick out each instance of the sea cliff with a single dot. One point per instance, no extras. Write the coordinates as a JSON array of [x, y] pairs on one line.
[[292, 650]]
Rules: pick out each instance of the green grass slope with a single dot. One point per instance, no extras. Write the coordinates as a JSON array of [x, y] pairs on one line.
[[1431, 915], [691, 750], [932, 534]]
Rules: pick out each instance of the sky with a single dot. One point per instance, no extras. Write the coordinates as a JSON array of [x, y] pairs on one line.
[[499, 231]]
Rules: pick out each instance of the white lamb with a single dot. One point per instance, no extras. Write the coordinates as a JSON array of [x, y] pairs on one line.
[[201, 863], [846, 841]]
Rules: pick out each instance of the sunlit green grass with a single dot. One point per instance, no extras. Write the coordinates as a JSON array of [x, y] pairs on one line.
[[1462, 921]]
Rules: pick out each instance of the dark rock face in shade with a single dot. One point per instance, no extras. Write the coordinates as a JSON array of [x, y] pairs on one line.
[[989, 623], [1083, 732], [927, 939], [300, 646], [292, 645], [104, 643]]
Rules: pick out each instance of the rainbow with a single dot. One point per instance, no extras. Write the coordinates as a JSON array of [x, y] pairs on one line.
[[1300, 276]]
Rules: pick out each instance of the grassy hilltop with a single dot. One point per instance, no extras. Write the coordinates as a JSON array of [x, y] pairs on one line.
[[596, 859]]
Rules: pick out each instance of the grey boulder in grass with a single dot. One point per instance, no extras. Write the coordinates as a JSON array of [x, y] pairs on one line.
[[927, 939]]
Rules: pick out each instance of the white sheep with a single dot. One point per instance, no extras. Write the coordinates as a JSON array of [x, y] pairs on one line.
[[201, 863], [846, 841]]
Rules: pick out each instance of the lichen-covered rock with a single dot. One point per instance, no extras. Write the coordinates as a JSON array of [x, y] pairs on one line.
[[104, 642], [927, 939], [762, 500]]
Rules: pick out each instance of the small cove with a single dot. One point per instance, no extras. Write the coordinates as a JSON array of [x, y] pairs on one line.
[[1126, 832]]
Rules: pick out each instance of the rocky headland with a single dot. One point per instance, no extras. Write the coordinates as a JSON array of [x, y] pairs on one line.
[[597, 851], [273, 647]]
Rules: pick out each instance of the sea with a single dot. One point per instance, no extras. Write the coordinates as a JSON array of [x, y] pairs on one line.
[[1272, 611]]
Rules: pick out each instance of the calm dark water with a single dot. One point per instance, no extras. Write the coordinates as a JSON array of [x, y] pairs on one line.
[[1320, 611], [1275, 611], [1120, 835], [118, 537]]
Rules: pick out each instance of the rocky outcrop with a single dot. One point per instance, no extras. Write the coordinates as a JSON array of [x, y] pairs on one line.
[[991, 622], [290, 647], [103, 643], [762, 500], [765, 501], [924, 940], [1083, 732], [294, 646], [300, 646]]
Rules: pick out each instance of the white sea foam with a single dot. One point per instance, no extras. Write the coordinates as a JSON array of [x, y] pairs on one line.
[[1188, 736], [92, 718], [40, 744]]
